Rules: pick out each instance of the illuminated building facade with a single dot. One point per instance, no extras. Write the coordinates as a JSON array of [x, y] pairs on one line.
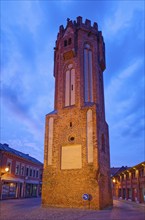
[[76, 154], [20, 174], [129, 183]]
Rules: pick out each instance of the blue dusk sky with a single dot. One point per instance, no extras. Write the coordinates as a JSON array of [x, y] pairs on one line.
[[28, 34]]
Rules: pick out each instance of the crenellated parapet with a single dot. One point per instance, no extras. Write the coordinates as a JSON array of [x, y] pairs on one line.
[[78, 24], [72, 38]]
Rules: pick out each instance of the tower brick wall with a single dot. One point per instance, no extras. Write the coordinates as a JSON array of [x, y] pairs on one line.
[[76, 152]]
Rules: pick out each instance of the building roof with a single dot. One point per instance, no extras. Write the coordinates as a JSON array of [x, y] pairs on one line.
[[117, 170], [6, 148], [53, 112], [114, 171]]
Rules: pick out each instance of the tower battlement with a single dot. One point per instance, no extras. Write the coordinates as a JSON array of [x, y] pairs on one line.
[[72, 38], [77, 24]]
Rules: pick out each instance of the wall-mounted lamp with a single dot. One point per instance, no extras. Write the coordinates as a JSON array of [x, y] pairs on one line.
[[114, 180], [6, 171]]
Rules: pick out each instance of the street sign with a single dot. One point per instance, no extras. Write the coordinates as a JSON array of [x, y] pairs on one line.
[[86, 196]]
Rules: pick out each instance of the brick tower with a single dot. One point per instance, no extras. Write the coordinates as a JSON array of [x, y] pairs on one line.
[[76, 157]]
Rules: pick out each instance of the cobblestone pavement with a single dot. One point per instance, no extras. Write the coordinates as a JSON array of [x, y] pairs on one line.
[[30, 209]]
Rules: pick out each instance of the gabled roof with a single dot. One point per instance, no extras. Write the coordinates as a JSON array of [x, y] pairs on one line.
[[6, 148], [114, 171], [53, 112]]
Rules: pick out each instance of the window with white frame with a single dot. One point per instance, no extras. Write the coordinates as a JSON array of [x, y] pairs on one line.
[[22, 169], [27, 171], [30, 174], [17, 168], [141, 172], [37, 174], [133, 174], [9, 165], [34, 172]]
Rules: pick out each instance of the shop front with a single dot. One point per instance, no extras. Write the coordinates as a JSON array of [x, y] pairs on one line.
[[12, 188], [9, 190], [31, 188]]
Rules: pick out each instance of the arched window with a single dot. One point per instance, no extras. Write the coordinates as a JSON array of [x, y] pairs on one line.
[[88, 76], [70, 86], [50, 139]]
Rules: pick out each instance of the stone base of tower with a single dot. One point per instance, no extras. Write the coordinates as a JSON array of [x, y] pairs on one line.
[[66, 189]]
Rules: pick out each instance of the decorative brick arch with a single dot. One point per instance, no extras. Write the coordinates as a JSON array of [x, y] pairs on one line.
[[70, 85], [50, 140], [88, 74], [89, 136]]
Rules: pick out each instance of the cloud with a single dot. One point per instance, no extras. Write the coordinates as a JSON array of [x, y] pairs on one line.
[[115, 87], [124, 96], [121, 18], [63, 4], [25, 65], [26, 11], [21, 110]]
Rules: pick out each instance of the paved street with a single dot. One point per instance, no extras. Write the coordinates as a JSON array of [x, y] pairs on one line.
[[30, 209]]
